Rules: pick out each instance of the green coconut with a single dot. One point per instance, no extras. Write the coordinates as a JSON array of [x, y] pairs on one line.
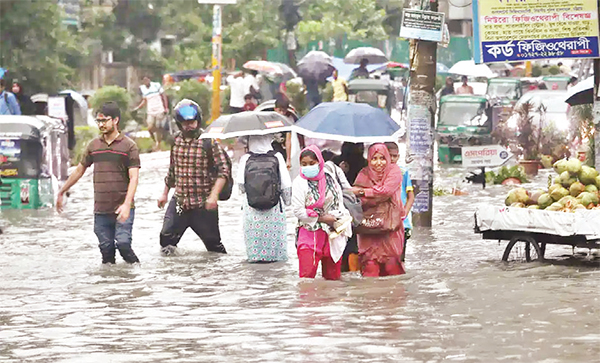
[[573, 166], [559, 193], [560, 166], [595, 198], [511, 198], [556, 206], [587, 175], [576, 188], [533, 206], [535, 196], [568, 201], [587, 199], [553, 187], [598, 181], [518, 205], [591, 188], [545, 200]]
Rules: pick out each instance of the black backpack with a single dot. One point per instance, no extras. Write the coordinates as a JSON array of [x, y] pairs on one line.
[[262, 181], [208, 145]]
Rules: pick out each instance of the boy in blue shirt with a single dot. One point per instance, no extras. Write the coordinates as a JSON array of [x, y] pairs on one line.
[[408, 195]]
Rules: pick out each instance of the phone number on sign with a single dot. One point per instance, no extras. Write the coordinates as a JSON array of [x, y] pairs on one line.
[[540, 54]]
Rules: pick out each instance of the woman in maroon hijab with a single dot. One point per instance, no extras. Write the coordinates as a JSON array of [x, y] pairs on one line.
[[379, 184]]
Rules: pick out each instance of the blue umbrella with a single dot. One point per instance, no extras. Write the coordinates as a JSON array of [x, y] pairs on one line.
[[347, 121]]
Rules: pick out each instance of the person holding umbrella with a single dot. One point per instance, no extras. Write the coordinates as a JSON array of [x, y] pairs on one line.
[[264, 181], [361, 71]]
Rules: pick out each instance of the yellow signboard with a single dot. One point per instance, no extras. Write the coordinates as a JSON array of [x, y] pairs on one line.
[[511, 30]]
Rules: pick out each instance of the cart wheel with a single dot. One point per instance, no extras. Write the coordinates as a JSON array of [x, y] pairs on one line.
[[523, 248]]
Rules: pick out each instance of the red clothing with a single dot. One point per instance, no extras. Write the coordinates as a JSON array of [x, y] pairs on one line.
[[382, 250], [312, 248], [249, 107]]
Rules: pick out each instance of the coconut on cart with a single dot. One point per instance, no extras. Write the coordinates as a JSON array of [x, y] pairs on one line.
[[566, 213]]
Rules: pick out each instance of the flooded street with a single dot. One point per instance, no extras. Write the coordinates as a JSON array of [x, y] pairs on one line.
[[458, 301]]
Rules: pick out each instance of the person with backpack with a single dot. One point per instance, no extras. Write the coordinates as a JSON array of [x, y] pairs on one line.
[[264, 179], [200, 172], [8, 102]]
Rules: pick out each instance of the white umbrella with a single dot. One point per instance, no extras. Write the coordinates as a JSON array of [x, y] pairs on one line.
[[581, 93], [373, 55], [470, 69]]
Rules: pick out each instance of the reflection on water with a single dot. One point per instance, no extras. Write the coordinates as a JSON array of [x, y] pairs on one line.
[[458, 302]]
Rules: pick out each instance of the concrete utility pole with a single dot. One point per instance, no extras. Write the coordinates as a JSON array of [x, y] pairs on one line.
[[421, 122]]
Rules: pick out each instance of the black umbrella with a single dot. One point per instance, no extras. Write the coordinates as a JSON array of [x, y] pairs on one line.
[[315, 65], [581, 93]]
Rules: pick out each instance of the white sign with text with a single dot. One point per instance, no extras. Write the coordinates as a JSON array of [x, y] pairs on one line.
[[488, 155]]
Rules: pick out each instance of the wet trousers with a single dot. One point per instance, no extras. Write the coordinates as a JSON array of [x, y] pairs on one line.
[[205, 223], [391, 267], [113, 235], [313, 247]]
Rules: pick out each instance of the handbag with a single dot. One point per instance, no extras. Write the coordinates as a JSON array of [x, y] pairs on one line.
[[351, 202], [381, 218]]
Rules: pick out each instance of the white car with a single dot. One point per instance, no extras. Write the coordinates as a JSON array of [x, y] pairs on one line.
[[556, 108]]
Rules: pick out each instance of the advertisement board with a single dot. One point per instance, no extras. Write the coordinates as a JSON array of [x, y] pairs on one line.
[[534, 29]]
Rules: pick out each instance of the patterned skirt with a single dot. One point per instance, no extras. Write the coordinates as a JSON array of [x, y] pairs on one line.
[[265, 233]]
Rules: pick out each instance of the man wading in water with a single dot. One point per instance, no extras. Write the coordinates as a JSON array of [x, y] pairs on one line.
[[116, 169], [199, 170]]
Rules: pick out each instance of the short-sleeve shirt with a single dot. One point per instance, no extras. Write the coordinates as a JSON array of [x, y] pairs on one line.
[[153, 97], [339, 90], [111, 170], [406, 187]]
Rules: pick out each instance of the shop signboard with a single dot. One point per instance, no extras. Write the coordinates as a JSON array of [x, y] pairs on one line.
[[512, 31]]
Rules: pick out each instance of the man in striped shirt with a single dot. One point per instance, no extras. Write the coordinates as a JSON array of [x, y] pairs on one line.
[[116, 169]]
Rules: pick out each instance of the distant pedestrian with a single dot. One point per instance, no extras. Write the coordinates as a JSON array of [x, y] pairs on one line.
[[408, 195], [264, 180], [448, 87], [157, 108], [323, 221], [199, 170], [465, 89], [238, 89], [313, 96], [361, 71], [282, 141], [27, 107], [8, 102], [249, 103], [340, 88], [116, 170]]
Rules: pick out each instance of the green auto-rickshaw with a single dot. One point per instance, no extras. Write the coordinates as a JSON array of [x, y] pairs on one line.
[[463, 120], [376, 92], [505, 91], [34, 159], [558, 82]]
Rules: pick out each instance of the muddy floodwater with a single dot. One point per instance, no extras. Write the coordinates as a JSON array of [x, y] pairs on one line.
[[458, 301]]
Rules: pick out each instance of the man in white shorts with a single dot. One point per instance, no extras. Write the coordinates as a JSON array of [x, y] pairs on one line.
[[153, 96]]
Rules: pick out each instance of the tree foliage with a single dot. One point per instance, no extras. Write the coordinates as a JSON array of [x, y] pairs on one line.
[[357, 19], [35, 47]]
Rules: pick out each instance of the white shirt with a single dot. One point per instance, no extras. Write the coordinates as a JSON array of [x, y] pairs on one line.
[[238, 91], [250, 81], [153, 97]]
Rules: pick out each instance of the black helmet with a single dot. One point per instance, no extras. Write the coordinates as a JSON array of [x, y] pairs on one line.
[[188, 110]]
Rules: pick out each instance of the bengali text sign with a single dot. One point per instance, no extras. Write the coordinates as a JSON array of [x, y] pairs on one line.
[[511, 30]]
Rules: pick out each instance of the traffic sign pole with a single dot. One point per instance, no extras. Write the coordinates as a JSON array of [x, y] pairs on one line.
[[216, 63]]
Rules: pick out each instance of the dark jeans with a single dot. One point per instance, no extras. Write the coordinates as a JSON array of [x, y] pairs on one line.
[[113, 235], [202, 221]]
